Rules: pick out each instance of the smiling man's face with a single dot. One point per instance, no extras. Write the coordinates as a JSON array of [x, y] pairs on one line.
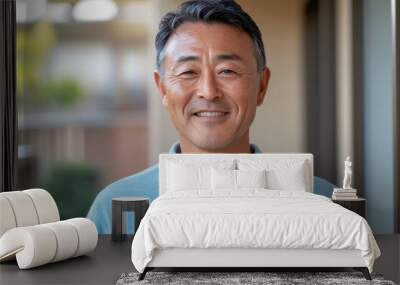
[[211, 87]]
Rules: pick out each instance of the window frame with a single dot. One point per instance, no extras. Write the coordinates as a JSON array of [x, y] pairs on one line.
[[8, 110]]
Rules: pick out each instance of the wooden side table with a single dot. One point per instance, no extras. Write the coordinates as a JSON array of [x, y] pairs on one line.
[[358, 206], [120, 205]]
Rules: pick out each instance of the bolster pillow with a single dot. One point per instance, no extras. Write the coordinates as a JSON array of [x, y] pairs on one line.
[[40, 244], [26, 208]]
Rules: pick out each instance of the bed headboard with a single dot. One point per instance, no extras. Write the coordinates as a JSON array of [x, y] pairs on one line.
[[307, 157]]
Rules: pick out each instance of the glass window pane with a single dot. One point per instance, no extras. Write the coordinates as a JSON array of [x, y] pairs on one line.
[[82, 102]]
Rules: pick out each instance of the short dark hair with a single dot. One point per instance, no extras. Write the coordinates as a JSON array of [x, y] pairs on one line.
[[209, 11]]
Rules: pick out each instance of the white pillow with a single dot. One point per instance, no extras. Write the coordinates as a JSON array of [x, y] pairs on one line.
[[251, 179], [281, 174], [236, 179], [290, 179], [223, 179], [193, 175]]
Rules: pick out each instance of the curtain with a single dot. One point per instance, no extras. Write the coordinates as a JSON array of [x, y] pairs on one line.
[[320, 82]]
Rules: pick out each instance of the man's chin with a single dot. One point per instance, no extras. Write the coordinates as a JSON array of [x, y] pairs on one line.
[[212, 145]]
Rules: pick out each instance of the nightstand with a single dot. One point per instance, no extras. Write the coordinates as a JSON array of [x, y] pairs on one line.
[[138, 205], [358, 206]]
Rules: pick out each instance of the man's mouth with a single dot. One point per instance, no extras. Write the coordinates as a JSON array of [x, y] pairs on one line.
[[210, 113]]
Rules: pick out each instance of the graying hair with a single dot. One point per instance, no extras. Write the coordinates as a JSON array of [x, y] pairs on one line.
[[209, 11]]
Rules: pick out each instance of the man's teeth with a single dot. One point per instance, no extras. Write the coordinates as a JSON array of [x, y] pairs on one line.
[[210, 114]]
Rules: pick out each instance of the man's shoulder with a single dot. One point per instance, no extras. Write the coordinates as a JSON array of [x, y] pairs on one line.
[[143, 183], [323, 186], [140, 184]]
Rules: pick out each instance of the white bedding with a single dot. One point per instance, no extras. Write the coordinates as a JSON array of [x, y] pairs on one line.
[[251, 218]]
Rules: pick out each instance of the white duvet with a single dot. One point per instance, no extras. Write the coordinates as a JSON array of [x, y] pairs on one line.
[[250, 219]]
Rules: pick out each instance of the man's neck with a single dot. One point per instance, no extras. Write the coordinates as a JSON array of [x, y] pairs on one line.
[[240, 147]]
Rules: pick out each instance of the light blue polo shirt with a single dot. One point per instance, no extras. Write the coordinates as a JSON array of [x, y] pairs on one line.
[[145, 184]]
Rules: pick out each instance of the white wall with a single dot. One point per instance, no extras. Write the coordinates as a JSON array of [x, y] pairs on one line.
[[280, 123]]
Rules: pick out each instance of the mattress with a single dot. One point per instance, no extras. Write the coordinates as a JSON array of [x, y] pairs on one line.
[[250, 219]]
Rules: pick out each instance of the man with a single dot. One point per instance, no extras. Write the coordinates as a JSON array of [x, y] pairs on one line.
[[211, 75]]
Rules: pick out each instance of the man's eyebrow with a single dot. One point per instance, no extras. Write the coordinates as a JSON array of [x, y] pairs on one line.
[[186, 58], [229, 56], [220, 57]]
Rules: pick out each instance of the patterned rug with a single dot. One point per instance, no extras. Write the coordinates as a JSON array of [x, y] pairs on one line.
[[243, 278]]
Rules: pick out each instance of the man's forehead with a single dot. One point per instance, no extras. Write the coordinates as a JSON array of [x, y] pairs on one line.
[[193, 39]]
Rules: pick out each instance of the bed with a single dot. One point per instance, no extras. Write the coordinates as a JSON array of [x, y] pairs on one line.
[[245, 211]]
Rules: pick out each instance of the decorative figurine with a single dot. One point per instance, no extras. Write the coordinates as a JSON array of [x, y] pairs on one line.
[[347, 174]]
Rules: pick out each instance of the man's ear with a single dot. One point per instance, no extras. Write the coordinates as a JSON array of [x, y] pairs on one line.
[[161, 88], [262, 90]]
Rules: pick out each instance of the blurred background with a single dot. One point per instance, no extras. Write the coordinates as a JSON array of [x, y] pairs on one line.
[[89, 112]]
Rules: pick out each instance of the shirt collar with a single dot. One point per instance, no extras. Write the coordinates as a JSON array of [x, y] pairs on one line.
[[176, 148]]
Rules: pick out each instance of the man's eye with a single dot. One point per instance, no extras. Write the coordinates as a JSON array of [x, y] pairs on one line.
[[227, 71], [187, 73]]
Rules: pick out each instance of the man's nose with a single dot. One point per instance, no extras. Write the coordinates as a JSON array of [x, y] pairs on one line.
[[208, 88]]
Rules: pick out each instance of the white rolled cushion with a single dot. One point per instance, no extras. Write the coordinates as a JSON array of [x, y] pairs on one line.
[[23, 208], [282, 174], [45, 205], [251, 178], [33, 246], [67, 239], [87, 235], [223, 179], [7, 218], [40, 244], [188, 175]]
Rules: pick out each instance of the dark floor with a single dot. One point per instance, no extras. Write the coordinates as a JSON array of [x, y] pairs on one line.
[[389, 262], [110, 260]]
